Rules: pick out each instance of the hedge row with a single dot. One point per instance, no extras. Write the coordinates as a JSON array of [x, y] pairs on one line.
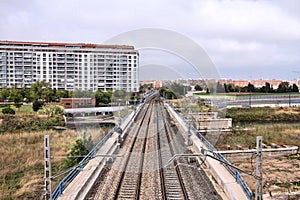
[[27, 123], [264, 114]]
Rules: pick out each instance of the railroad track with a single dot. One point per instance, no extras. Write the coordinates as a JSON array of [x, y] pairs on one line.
[[141, 172], [193, 178], [173, 182]]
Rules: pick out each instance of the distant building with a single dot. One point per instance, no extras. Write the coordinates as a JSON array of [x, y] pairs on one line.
[[296, 81], [152, 83], [77, 102], [274, 83], [69, 66]]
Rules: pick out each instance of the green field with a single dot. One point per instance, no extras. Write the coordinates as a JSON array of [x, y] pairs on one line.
[[22, 109], [245, 95], [244, 134]]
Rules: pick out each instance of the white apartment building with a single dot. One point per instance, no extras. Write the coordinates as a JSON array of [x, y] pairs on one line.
[[69, 66]]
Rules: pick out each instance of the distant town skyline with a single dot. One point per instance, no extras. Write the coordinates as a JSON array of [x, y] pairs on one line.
[[244, 39], [274, 83]]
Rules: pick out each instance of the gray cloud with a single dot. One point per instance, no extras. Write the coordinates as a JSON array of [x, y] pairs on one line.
[[239, 36]]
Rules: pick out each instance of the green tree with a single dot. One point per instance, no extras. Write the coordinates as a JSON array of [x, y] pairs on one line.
[[8, 110], [268, 87], [80, 148], [102, 98], [220, 88], [82, 94], [4, 93], [25, 93], [250, 87], [167, 93], [48, 94], [295, 88], [36, 105], [283, 87], [178, 88], [37, 88], [16, 96], [198, 88], [61, 94]]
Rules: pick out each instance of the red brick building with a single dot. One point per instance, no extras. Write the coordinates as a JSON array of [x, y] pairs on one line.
[[77, 102]]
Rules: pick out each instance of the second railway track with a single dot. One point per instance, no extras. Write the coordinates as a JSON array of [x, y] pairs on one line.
[[142, 172]]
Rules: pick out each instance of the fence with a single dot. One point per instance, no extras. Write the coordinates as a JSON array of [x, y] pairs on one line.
[[235, 173], [63, 184]]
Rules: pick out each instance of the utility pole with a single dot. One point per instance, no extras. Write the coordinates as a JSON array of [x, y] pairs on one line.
[[258, 172], [47, 169]]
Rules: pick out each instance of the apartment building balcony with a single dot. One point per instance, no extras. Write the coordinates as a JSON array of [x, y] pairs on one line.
[[27, 59], [27, 64], [18, 59], [70, 60], [18, 72], [18, 55], [27, 73], [60, 69], [62, 77], [60, 61], [61, 86], [70, 80], [28, 80], [27, 55], [70, 56]]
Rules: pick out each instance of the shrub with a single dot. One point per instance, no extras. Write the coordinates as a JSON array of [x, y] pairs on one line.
[[36, 105], [80, 148], [52, 109], [8, 110], [27, 123]]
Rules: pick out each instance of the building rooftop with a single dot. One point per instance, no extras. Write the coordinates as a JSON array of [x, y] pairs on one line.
[[63, 44]]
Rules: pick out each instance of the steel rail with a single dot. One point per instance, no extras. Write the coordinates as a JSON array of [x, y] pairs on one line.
[[180, 179]]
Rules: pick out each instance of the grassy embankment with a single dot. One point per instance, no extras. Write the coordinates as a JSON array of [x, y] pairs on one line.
[[21, 149], [21, 162], [275, 125]]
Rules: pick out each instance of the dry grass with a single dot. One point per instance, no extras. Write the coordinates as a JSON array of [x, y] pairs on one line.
[[245, 134], [280, 175], [21, 162]]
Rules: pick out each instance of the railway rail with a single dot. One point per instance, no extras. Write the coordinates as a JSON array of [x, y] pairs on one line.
[[142, 173]]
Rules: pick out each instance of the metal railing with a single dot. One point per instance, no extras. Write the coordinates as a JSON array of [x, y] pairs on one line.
[[63, 184], [235, 173]]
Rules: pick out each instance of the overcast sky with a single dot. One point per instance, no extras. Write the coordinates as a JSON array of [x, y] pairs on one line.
[[245, 39]]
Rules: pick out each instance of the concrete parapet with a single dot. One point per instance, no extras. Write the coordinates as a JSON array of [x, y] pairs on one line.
[[84, 181], [216, 171]]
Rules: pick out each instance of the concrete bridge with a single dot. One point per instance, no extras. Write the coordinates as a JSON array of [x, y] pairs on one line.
[[154, 118]]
